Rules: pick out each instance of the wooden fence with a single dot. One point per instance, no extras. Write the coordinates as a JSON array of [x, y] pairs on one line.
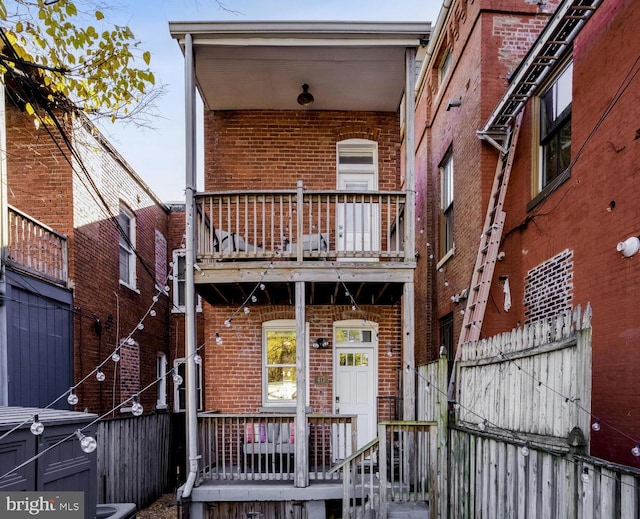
[[133, 459], [521, 398]]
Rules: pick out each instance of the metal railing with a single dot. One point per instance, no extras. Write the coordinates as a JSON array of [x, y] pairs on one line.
[[262, 446], [300, 225], [36, 248]]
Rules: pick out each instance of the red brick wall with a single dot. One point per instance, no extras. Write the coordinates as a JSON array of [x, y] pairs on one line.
[[84, 205], [580, 216], [274, 149], [233, 370], [487, 40]]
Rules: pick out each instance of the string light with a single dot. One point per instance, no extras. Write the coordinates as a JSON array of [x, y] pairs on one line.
[[227, 323], [197, 359], [525, 450], [152, 313], [595, 426], [218, 339], [140, 326], [100, 377], [177, 378], [36, 427], [246, 310], [72, 399], [87, 443], [115, 356], [636, 450], [136, 407], [254, 299], [585, 475], [262, 287]]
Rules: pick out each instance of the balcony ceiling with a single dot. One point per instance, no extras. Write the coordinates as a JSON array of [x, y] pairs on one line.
[[262, 65]]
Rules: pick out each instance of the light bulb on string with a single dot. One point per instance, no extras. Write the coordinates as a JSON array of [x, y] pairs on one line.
[[166, 288], [115, 356], [72, 399], [155, 299], [170, 278], [136, 407], [100, 375], [177, 379], [525, 450], [262, 287], [427, 387], [353, 307], [36, 427], [87, 443], [595, 426], [227, 323], [246, 310], [152, 313], [131, 341], [218, 339], [140, 326], [197, 359], [254, 299], [585, 475], [636, 450], [482, 425]]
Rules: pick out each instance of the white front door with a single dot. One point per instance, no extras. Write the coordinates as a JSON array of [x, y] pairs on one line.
[[356, 385], [357, 214]]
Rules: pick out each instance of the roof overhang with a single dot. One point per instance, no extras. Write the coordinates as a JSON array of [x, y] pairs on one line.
[[263, 65]]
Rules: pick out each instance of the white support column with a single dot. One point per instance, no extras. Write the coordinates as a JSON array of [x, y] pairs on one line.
[[190, 295], [408, 301], [4, 243], [302, 460]]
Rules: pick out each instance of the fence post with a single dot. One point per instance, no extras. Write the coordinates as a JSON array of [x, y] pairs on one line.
[[440, 483], [382, 467], [583, 371]]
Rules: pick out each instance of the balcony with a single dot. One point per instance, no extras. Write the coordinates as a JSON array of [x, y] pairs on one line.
[[339, 242], [36, 249]]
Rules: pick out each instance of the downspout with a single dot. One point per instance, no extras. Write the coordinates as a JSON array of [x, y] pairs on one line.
[[190, 296], [4, 244], [435, 36]]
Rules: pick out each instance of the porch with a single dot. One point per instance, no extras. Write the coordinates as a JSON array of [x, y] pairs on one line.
[[399, 460]]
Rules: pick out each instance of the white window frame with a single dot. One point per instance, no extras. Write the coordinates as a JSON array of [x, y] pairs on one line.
[[447, 206], [127, 248], [161, 376], [444, 66], [182, 388], [178, 278], [541, 185], [280, 325]]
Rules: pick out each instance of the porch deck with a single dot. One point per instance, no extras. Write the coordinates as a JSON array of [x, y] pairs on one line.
[[266, 490]]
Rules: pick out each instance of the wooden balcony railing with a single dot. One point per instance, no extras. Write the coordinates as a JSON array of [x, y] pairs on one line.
[[262, 446], [396, 467], [300, 225], [36, 248]]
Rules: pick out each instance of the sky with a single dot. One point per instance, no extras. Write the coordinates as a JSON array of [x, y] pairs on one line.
[[156, 153]]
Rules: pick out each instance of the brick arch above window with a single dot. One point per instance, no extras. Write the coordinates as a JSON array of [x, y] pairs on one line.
[[361, 132]]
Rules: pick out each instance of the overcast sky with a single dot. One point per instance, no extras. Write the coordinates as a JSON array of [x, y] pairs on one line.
[[157, 154]]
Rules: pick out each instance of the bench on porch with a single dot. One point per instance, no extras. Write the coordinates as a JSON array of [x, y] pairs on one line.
[[272, 442]]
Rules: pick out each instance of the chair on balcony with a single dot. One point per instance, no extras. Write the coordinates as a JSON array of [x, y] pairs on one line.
[[318, 242], [224, 241]]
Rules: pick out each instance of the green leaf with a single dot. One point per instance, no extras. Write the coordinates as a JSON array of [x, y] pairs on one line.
[[29, 109], [146, 56], [99, 15]]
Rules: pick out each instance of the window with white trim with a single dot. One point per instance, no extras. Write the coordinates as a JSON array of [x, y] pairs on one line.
[[161, 376], [279, 380], [446, 205], [180, 391], [445, 65], [127, 244], [554, 130], [179, 285]]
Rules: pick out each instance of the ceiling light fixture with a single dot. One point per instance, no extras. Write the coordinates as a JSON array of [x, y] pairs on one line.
[[305, 98]]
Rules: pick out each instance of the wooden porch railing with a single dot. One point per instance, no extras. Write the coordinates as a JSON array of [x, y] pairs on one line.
[[36, 248], [396, 467], [262, 446], [300, 225]]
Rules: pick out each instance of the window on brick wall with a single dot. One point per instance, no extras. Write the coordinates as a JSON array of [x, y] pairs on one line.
[[179, 286], [446, 207], [127, 221], [279, 363], [446, 339], [180, 392], [553, 133], [445, 65], [161, 376]]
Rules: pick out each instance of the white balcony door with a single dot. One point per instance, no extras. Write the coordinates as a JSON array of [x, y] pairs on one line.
[[356, 387], [357, 217]]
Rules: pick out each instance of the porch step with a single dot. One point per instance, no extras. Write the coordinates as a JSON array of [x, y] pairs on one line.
[[407, 510]]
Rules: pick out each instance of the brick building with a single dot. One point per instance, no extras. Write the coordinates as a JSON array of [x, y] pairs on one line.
[[564, 213], [302, 258], [116, 233]]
